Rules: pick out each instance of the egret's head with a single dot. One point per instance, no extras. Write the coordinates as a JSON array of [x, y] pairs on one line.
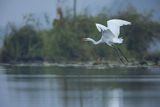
[[91, 40], [86, 39]]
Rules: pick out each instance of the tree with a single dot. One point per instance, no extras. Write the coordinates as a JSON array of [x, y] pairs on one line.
[[22, 45]]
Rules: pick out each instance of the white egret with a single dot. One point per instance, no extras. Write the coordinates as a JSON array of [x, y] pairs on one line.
[[110, 34]]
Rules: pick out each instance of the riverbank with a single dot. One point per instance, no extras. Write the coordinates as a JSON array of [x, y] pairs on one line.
[[88, 64]]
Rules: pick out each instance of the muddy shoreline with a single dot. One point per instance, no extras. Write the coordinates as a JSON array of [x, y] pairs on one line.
[[89, 64]]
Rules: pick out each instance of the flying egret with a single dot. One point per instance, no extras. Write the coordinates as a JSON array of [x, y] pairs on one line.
[[110, 34]]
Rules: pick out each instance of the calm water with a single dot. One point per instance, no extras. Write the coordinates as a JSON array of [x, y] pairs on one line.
[[79, 87]]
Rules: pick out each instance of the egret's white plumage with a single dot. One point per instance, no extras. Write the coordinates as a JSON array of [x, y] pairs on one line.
[[110, 33], [115, 24]]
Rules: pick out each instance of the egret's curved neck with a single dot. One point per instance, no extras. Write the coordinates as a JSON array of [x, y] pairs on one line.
[[93, 41]]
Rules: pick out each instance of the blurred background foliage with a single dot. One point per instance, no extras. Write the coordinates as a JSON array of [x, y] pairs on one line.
[[63, 42]]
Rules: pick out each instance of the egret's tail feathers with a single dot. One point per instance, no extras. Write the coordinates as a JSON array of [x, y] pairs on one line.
[[118, 40]]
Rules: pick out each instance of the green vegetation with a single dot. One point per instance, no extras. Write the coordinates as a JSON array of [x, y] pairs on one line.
[[64, 41], [22, 45]]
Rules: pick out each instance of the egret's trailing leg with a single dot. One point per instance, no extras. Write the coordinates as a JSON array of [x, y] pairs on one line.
[[118, 55], [122, 54]]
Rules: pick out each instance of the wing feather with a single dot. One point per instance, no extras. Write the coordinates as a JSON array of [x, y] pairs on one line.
[[107, 36], [101, 27], [114, 25]]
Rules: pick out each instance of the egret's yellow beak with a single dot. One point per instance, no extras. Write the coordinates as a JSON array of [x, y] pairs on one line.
[[84, 39]]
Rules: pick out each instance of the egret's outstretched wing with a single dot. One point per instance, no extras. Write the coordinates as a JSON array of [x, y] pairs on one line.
[[107, 36], [114, 25], [101, 27]]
